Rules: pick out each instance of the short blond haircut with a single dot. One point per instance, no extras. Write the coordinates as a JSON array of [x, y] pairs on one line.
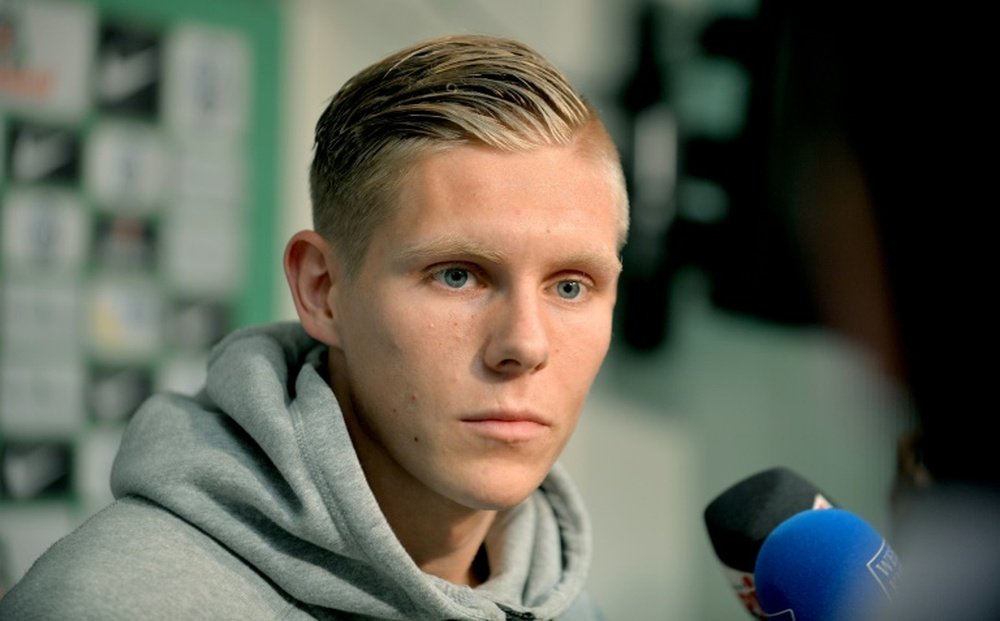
[[434, 95]]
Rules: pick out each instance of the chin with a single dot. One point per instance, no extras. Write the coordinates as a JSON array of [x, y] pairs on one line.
[[500, 490]]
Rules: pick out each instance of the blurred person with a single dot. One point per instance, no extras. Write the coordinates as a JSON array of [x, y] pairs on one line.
[[393, 453], [901, 191]]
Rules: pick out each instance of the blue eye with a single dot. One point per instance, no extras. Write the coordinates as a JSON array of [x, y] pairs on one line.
[[569, 289], [454, 277]]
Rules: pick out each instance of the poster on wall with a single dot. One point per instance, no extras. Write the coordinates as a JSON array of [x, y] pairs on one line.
[[45, 58], [128, 192]]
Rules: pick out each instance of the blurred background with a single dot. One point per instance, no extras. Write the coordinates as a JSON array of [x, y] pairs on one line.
[[801, 284]]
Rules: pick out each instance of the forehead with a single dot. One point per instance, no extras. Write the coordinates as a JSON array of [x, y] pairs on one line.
[[484, 171], [546, 208], [561, 188]]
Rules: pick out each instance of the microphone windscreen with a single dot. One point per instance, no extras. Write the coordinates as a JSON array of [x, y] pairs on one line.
[[741, 517], [825, 566]]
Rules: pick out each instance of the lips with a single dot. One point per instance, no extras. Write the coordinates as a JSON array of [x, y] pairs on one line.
[[507, 426]]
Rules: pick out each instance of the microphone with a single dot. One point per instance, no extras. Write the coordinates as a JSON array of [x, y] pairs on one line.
[[825, 566], [740, 519]]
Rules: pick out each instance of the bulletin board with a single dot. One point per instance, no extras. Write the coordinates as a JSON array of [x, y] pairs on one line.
[[138, 186]]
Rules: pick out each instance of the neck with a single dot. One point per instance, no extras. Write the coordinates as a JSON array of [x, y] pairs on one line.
[[443, 537], [445, 542]]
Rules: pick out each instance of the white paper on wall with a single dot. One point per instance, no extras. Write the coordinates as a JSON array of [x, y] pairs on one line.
[[41, 396], [127, 167], [44, 229], [210, 172], [125, 318], [203, 250], [46, 53], [207, 81], [41, 315]]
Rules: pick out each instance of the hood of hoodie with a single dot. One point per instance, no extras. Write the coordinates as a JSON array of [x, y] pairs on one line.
[[261, 460]]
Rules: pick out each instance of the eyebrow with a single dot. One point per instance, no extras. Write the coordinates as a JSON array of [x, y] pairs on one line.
[[447, 245], [455, 246]]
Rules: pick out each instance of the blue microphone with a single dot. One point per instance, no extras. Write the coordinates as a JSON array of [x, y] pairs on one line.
[[827, 565]]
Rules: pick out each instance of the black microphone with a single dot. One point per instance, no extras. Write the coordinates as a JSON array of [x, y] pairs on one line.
[[742, 517]]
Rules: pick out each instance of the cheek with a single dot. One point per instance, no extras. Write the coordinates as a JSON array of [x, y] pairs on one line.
[[416, 349], [585, 340], [581, 349], [375, 353], [443, 343]]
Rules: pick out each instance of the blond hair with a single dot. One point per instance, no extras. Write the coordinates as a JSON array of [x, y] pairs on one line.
[[433, 95]]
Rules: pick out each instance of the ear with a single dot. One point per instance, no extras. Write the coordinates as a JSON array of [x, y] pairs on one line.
[[313, 271]]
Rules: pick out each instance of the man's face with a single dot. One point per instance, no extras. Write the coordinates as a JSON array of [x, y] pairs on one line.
[[478, 320]]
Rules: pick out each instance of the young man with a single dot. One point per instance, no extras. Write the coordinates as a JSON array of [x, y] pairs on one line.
[[393, 454]]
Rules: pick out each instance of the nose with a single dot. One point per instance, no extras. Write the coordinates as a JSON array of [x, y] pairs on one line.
[[518, 336]]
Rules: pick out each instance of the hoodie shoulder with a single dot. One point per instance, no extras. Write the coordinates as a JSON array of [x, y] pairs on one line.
[[136, 560]]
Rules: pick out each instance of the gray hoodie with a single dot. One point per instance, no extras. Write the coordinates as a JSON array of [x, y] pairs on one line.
[[247, 501]]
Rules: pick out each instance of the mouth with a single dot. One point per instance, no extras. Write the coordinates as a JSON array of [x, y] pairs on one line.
[[507, 426]]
